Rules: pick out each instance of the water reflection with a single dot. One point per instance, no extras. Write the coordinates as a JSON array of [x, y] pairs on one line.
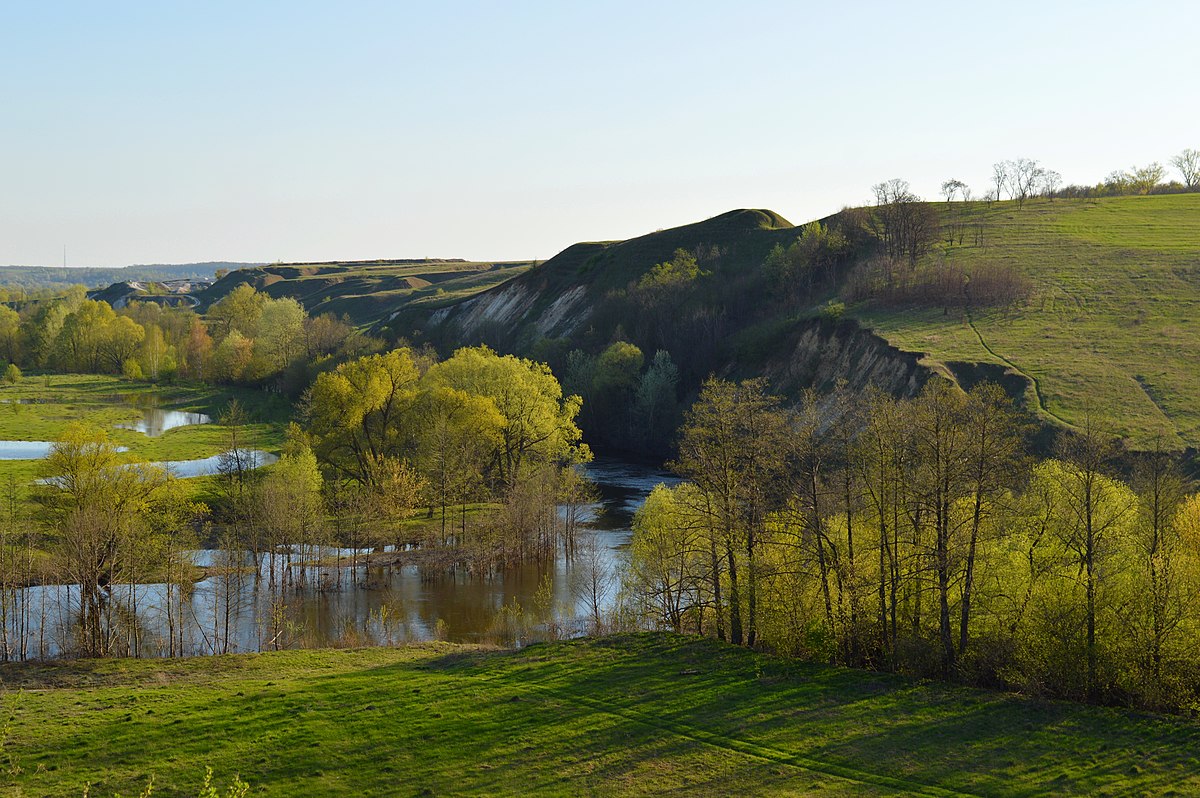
[[155, 421], [31, 450], [231, 610], [210, 466], [25, 450]]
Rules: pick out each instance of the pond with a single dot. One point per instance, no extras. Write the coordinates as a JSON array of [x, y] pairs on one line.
[[155, 421], [353, 605], [25, 450]]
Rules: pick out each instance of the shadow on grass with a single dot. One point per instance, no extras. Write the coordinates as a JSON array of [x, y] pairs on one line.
[[641, 714]]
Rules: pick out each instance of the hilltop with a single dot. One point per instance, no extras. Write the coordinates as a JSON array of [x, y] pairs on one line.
[[626, 715]]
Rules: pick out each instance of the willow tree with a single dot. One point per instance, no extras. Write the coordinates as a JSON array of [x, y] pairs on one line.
[[359, 413], [457, 434], [539, 422], [100, 511]]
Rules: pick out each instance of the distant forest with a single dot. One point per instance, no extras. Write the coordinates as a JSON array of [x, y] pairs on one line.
[[35, 277]]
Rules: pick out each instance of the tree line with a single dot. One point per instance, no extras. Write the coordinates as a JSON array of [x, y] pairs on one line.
[[246, 338], [921, 536]]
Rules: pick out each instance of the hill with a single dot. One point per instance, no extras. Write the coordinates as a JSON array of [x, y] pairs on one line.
[[1111, 326], [366, 290], [629, 715], [1107, 329]]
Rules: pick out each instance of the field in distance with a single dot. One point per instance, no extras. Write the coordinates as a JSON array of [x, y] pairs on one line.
[[627, 715], [368, 291]]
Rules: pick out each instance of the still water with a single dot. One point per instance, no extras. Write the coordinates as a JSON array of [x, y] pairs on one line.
[[348, 605], [155, 421]]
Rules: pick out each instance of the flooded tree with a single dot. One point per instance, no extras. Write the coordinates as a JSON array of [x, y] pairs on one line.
[[101, 512]]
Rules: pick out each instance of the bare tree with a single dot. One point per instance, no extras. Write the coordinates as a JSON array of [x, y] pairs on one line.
[[1188, 164], [1024, 175], [593, 581], [952, 187], [904, 224], [1051, 181], [1000, 178]]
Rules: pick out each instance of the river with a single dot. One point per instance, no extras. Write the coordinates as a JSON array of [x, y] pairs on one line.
[[355, 606]]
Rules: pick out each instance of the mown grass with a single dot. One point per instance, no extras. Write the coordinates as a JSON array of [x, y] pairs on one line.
[[1112, 327], [630, 715], [105, 401]]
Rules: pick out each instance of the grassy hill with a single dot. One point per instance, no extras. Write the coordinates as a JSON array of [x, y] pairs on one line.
[[633, 715], [366, 291], [1112, 327], [1109, 329]]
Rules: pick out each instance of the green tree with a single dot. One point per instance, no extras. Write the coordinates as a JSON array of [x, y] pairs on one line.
[[666, 555], [539, 422], [1095, 508], [280, 333], [458, 434], [361, 412], [98, 507], [732, 448], [241, 309]]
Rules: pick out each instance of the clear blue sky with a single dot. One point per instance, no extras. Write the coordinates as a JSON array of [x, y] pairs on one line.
[[187, 131]]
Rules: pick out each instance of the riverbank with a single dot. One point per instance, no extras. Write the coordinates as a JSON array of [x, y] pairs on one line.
[[627, 715]]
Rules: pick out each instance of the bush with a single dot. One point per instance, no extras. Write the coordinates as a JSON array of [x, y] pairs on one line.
[[832, 311], [131, 370], [12, 374]]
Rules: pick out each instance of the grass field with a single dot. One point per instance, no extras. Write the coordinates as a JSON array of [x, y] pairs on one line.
[[1112, 328], [631, 715], [57, 400]]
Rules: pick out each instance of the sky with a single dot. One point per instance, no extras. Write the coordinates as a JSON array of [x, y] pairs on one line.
[[254, 131]]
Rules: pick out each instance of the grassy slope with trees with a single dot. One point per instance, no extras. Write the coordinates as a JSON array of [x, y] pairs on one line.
[[630, 715], [1111, 326], [1105, 326]]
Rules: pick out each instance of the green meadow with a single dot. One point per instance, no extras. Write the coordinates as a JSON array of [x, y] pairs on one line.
[[1112, 327], [41, 407], [626, 715]]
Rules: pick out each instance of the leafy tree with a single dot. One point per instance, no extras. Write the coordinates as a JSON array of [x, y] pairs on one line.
[[656, 403], [539, 422], [280, 332], [1095, 508], [233, 357], [666, 555], [10, 334], [458, 432], [241, 309], [98, 508], [359, 413], [731, 447]]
